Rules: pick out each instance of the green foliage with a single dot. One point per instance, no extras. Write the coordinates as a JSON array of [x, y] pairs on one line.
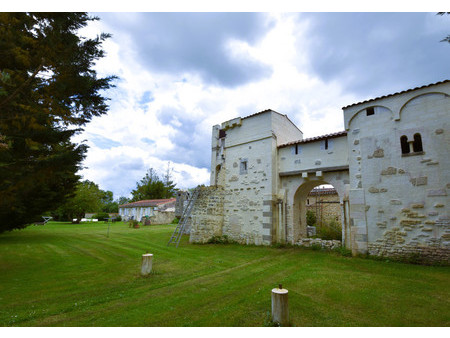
[[132, 223], [268, 322], [87, 198], [220, 240], [48, 92], [101, 216], [176, 221], [343, 251], [123, 200], [329, 230], [311, 219], [152, 187]]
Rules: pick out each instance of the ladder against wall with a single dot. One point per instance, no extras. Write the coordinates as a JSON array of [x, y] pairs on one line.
[[180, 229]]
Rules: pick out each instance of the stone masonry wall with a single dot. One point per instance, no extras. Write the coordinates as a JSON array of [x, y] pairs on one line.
[[404, 198], [207, 214]]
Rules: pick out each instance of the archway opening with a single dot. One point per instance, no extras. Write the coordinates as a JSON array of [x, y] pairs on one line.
[[318, 211]]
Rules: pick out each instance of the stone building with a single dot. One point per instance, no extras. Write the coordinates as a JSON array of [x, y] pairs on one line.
[[160, 211], [325, 204], [389, 167]]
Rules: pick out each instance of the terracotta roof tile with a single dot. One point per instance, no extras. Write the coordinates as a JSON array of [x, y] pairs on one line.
[[402, 92], [313, 139]]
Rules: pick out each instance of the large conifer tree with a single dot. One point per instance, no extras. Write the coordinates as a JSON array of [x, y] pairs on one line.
[[48, 92]]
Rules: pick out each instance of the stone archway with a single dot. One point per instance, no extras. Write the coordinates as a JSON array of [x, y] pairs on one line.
[[298, 188]]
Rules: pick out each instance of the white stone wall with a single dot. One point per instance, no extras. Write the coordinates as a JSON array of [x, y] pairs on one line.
[[392, 204], [313, 156], [399, 203]]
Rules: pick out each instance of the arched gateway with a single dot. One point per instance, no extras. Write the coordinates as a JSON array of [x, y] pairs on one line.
[[389, 167], [297, 190]]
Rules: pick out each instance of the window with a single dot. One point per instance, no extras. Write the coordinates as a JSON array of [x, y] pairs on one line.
[[297, 149], [404, 144], [243, 167], [413, 147], [222, 133], [370, 111], [326, 144], [417, 143]]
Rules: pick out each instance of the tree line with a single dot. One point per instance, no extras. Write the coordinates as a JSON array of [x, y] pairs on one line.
[[89, 198]]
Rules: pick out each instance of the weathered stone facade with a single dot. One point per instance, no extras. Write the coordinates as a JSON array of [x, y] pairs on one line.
[[207, 214], [390, 168], [325, 204]]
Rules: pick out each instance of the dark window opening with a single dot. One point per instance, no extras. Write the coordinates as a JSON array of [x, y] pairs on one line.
[[370, 111], [326, 144], [243, 167], [222, 133], [404, 144], [296, 149], [417, 144]]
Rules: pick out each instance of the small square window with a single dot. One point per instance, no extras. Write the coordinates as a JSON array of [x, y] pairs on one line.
[[370, 111]]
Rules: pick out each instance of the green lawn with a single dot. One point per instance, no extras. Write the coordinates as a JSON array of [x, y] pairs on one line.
[[74, 275]]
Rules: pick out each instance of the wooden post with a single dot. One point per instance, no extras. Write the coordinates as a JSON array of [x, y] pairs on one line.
[[280, 306], [147, 261]]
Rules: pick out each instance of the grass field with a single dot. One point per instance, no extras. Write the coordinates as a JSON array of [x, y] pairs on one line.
[[62, 274]]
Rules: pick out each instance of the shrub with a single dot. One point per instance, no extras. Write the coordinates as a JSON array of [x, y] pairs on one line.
[[118, 218], [311, 219], [101, 216], [175, 221], [132, 223], [330, 230]]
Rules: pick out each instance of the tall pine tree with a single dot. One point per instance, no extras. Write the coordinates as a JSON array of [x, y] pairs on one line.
[[48, 92]]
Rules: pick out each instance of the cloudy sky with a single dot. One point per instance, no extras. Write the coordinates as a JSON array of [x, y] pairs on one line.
[[181, 73]]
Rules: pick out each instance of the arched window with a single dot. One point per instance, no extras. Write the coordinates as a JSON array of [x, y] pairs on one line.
[[404, 144], [417, 144]]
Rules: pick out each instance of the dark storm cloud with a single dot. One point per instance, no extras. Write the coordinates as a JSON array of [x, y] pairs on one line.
[[373, 54], [195, 42]]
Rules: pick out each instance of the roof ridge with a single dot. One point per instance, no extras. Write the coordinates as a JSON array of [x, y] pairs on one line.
[[397, 93], [315, 138]]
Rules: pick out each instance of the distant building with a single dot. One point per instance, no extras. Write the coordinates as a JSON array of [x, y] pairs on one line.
[[160, 211], [325, 204]]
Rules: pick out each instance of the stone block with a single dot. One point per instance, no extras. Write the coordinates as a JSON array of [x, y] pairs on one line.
[[378, 153], [417, 205], [389, 171], [374, 190], [436, 192], [395, 202], [423, 180]]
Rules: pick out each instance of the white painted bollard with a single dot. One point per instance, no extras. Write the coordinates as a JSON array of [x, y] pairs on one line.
[[280, 306], [147, 261]]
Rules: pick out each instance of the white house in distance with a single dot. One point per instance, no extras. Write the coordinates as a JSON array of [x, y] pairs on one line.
[[160, 211], [390, 168]]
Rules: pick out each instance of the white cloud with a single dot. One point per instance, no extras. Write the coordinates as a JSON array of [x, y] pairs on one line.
[[161, 116]]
